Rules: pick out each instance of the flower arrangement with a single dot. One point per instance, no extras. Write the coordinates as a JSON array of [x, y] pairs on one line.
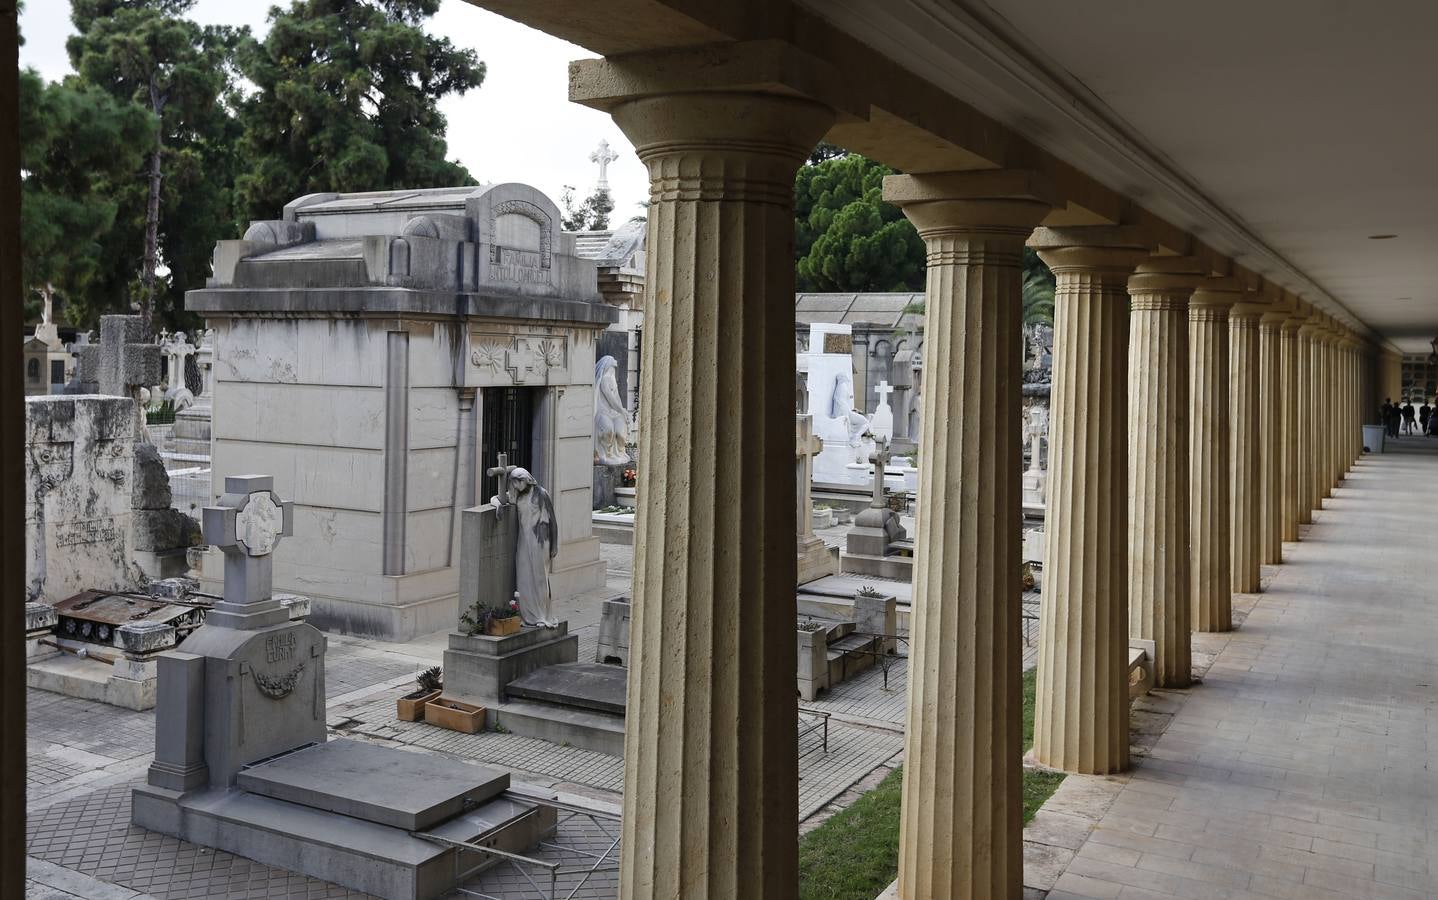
[[486, 619], [628, 477]]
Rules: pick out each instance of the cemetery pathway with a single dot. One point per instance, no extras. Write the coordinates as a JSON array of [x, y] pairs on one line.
[[1301, 767]]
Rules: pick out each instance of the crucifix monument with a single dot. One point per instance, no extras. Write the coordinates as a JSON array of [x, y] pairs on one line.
[[881, 423], [603, 155], [880, 458], [1036, 429]]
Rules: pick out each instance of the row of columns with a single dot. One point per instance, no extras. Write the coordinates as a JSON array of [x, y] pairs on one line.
[[1183, 451]]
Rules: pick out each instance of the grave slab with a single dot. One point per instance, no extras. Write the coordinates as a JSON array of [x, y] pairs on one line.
[[376, 784], [595, 686]]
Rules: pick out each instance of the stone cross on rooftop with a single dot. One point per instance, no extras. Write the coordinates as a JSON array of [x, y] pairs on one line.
[[247, 525], [603, 156], [880, 458], [123, 361]]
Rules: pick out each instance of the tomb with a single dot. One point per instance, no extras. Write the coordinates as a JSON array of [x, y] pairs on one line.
[[377, 352], [242, 757], [530, 681], [815, 559], [878, 544]]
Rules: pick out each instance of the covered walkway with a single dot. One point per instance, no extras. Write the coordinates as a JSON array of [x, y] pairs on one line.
[[1302, 765]]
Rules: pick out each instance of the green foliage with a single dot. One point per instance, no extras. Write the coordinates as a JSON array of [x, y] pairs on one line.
[[845, 237], [855, 854], [346, 99], [591, 215], [476, 619], [1038, 289], [429, 679], [146, 53], [77, 144]]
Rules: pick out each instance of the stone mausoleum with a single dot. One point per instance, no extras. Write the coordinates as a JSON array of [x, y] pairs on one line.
[[377, 352]]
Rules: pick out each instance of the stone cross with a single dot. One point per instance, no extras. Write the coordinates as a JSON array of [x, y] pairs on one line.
[[880, 458], [501, 471], [603, 156], [881, 423], [1037, 428], [123, 361], [247, 525]]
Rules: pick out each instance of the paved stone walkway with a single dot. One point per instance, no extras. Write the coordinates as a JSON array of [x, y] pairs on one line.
[[1302, 766]]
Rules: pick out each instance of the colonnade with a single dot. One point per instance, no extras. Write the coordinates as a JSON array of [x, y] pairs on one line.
[[1198, 416]]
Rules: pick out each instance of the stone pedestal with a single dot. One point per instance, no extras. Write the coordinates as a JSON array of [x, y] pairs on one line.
[[961, 830], [606, 480], [1247, 483], [878, 613], [1209, 434], [1158, 523], [813, 669], [478, 667], [1081, 717], [613, 647], [708, 810]]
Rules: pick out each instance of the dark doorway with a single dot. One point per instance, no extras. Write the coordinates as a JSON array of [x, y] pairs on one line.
[[506, 426]]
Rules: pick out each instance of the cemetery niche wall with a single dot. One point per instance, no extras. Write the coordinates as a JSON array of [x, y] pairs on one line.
[[377, 352]]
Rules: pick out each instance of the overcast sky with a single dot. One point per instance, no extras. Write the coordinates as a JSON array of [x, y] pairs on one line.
[[519, 125]]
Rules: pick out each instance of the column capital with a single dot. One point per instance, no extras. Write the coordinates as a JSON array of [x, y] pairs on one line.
[[1213, 298], [1114, 250], [768, 66], [1162, 281], [1249, 310], [996, 202]]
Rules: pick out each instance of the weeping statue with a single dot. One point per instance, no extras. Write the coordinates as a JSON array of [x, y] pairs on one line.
[[841, 406], [536, 541], [611, 420]]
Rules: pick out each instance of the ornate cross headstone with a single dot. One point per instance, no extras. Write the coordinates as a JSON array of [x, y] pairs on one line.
[[603, 156], [1035, 478], [882, 422], [247, 525], [880, 458]]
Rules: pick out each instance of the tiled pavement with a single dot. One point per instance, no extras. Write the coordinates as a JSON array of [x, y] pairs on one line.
[[1302, 767]]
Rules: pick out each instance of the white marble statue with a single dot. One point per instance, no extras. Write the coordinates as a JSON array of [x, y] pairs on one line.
[[180, 397], [536, 542], [611, 419], [842, 407]]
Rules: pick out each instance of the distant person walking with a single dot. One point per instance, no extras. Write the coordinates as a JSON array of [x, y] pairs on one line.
[[1409, 416], [1425, 415], [1390, 417]]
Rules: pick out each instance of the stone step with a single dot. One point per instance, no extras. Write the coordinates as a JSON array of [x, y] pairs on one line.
[[581, 685], [381, 860], [851, 643], [387, 786], [598, 731]]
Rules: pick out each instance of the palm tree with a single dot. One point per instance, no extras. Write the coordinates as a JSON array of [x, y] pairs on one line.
[[1038, 290]]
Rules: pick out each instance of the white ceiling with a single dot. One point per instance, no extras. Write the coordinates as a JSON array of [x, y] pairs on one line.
[[1283, 132]]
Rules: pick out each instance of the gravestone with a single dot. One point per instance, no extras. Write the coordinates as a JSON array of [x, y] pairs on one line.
[[477, 667], [122, 363], [815, 559], [881, 423], [1036, 429], [871, 544], [242, 761], [79, 459]]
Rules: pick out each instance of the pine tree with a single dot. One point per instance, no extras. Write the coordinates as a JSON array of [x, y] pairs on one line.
[[347, 100]]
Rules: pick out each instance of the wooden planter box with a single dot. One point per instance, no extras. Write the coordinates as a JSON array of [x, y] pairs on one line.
[[502, 627], [410, 707], [456, 715]]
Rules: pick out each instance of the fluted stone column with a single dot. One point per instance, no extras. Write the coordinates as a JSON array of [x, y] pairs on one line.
[[1288, 447], [1305, 432], [961, 833], [1159, 590], [1321, 468], [1270, 447], [1081, 717], [1247, 481], [710, 771], [1209, 433]]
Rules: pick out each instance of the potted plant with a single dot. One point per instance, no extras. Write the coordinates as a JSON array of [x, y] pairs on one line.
[[494, 621], [456, 715], [823, 516], [411, 705]]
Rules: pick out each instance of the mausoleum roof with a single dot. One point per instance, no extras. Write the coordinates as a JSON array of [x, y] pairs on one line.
[[882, 309]]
